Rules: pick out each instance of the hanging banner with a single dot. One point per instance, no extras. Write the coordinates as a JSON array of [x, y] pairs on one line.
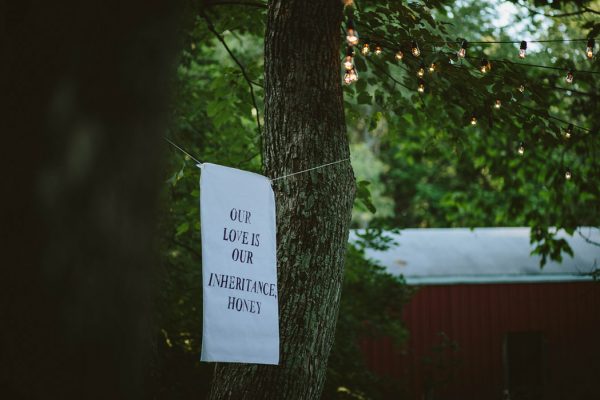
[[239, 267]]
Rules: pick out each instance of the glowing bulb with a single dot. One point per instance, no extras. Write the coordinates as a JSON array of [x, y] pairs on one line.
[[351, 33], [421, 86], [399, 55], [569, 78], [522, 88], [365, 49], [350, 76], [589, 51], [485, 66], [415, 49], [498, 104], [377, 50], [568, 175], [421, 71], [569, 131], [349, 58], [521, 149], [432, 67], [473, 120], [522, 49], [462, 53]]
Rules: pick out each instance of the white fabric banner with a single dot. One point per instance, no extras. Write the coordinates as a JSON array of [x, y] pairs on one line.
[[239, 267]]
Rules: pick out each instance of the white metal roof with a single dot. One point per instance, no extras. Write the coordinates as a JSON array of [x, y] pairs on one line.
[[482, 255]]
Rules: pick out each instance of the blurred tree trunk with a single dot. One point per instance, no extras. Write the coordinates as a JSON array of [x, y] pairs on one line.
[[85, 84], [304, 127]]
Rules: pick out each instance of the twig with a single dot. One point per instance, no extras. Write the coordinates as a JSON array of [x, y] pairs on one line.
[[211, 28]]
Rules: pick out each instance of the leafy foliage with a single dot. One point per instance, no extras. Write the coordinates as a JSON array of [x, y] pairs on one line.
[[419, 162]]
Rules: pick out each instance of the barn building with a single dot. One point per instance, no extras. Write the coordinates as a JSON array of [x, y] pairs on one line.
[[487, 323]]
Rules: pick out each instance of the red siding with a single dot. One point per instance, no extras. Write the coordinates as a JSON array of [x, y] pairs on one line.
[[476, 318]]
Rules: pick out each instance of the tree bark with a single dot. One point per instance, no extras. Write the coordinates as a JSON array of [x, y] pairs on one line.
[[304, 128], [87, 96]]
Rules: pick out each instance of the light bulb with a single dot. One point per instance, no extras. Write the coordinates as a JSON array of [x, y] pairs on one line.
[[473, 120], [522, 88], [421, 86], [522, 49], [569, 131], [498, 104], [377, 50], [415, 49], [432, 67], [421, 71], [589, 51], [350, 76], [568, 175], [485, 66], [462, 53], [365, 49], [569, 78], [349, 58], [399, 55], [351, 33], [521, 149]]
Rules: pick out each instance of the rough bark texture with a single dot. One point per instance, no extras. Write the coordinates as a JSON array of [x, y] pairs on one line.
[[304, 127]]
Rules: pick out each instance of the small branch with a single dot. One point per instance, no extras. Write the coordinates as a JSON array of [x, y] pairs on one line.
[[187, 247], [211, 28], [567, 14], [587, 238]]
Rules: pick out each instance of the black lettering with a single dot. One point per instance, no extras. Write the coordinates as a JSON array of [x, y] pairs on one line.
[[249, 257], [258, 305], [239, 304], [257, 242], [248, 217], [231, 303], [233, 214], [245, 238], [238, 284]]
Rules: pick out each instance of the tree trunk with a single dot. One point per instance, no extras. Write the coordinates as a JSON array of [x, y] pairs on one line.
[[82, 148], [304, 128]]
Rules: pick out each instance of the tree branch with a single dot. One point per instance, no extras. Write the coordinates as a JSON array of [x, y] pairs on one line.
[[587, 238], [211, 28], [567, 14]]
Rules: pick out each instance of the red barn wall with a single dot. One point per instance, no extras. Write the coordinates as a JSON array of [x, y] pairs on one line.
[[476, 318]]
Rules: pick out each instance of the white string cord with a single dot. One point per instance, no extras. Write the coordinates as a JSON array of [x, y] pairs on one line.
[[272, 180], [310, 169], [182, 150]]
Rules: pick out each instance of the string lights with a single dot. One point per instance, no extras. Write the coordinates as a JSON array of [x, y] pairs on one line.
[[351, 33], [569, 78], [365, 49], [414, 49], [349, 59], [569, 131], [522, 49], [462, 53], [589, 51], [485, 66], [350, 76]]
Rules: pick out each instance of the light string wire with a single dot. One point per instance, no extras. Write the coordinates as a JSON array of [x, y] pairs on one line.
[[272, 180]]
